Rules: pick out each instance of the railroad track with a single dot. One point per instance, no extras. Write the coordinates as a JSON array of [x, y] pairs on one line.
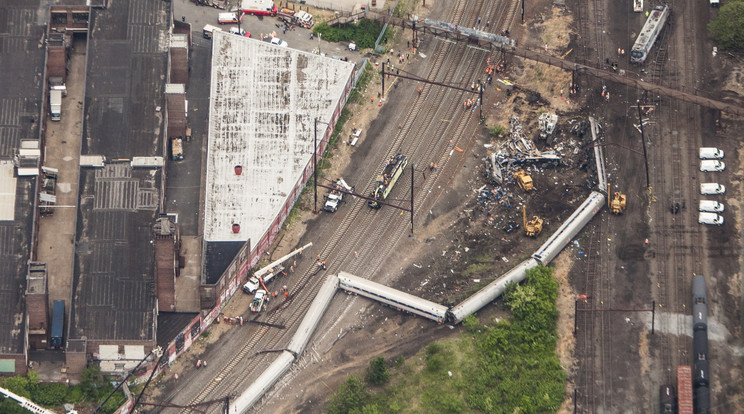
[[367, 237]]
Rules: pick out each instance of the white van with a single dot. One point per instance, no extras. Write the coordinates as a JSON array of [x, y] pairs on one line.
[[710, 218], [712, 188], [711, 206], [710, 153], [712, 166]]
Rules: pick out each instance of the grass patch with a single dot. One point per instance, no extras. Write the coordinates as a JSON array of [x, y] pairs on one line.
[[509, 367], [475, 269]]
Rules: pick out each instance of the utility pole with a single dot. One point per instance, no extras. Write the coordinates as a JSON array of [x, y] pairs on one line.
[[643, 140]]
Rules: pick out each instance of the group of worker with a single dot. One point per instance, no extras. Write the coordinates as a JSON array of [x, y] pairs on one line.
[[236, 319], [282, 289], [201, 363], [321, 263], [471, 103]]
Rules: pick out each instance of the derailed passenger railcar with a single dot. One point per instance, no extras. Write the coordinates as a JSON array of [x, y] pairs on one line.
[[393, 297]]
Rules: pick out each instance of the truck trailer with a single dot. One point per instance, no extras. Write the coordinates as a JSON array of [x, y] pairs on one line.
[[55, 104], [58, 324]]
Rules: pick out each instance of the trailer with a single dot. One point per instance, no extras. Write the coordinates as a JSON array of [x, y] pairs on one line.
[[55, 104], [58, 324]]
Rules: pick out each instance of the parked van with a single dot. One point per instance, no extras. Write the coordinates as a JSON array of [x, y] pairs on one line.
[[710, 153], [712, 166], [711, 206], [208, 30], [225, 18], [710, 218], [712, 188]]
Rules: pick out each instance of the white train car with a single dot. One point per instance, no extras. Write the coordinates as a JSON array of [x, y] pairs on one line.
[[262, 383], [570, 228], [313, 315], [598, 155], [393, 297], [649, 33], [489, 293]]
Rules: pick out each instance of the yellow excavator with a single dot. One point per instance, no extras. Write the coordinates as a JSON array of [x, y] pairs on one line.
[[533, 227], [524, 180], [616, 204]]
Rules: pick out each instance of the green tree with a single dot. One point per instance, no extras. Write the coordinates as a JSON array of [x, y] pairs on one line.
[[377, 372], [349, 398], [728, 28], [18, 385]]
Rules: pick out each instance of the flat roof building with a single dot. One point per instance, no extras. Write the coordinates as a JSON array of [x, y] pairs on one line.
[[264, 101]]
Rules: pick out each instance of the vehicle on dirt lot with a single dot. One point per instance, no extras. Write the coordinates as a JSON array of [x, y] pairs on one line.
[[254, 283], [237, 31], [712, 166], [710, 153], [524, 180], [258, 7], [386, 181], [226, 18], [710, 218], [208, 31], [617, 203], [711, 206], [333, 199], [259, 301], [712, 188], [532, 228], [279, 42]]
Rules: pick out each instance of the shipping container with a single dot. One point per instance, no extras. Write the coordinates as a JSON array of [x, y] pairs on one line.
[[58, 323], [684, 389]]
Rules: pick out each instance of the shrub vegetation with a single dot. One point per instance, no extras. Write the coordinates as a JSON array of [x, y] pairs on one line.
[[508, 367]]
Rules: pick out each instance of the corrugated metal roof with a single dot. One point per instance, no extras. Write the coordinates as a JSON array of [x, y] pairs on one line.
[[20, 107], [263, 103], [114, 294]]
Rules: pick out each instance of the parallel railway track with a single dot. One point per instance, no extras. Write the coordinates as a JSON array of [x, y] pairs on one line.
[[423, 138]]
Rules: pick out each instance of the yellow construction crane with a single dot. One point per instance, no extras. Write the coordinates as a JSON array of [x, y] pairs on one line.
[[616, 204], [524, 180], [533, 227]]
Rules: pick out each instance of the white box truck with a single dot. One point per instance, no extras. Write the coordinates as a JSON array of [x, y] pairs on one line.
[[55, 104]]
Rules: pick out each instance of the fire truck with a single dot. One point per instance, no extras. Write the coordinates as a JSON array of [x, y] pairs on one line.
[[258, 7]]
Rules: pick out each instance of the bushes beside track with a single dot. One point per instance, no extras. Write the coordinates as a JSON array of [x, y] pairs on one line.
[[506, 367]]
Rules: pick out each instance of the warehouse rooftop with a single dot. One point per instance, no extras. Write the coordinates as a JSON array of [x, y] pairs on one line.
[[114, 298], [20, 107], [263, 103]]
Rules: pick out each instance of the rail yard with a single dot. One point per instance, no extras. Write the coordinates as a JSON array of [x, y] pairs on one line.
[[623, 266]]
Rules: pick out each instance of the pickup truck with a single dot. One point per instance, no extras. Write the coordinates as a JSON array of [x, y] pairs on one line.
[[333, 200], [259, 301]]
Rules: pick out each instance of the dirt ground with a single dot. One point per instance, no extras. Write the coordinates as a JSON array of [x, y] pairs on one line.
[[461, 245]]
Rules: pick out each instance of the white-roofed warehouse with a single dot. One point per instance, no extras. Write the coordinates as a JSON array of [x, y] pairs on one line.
[[264, 100]]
